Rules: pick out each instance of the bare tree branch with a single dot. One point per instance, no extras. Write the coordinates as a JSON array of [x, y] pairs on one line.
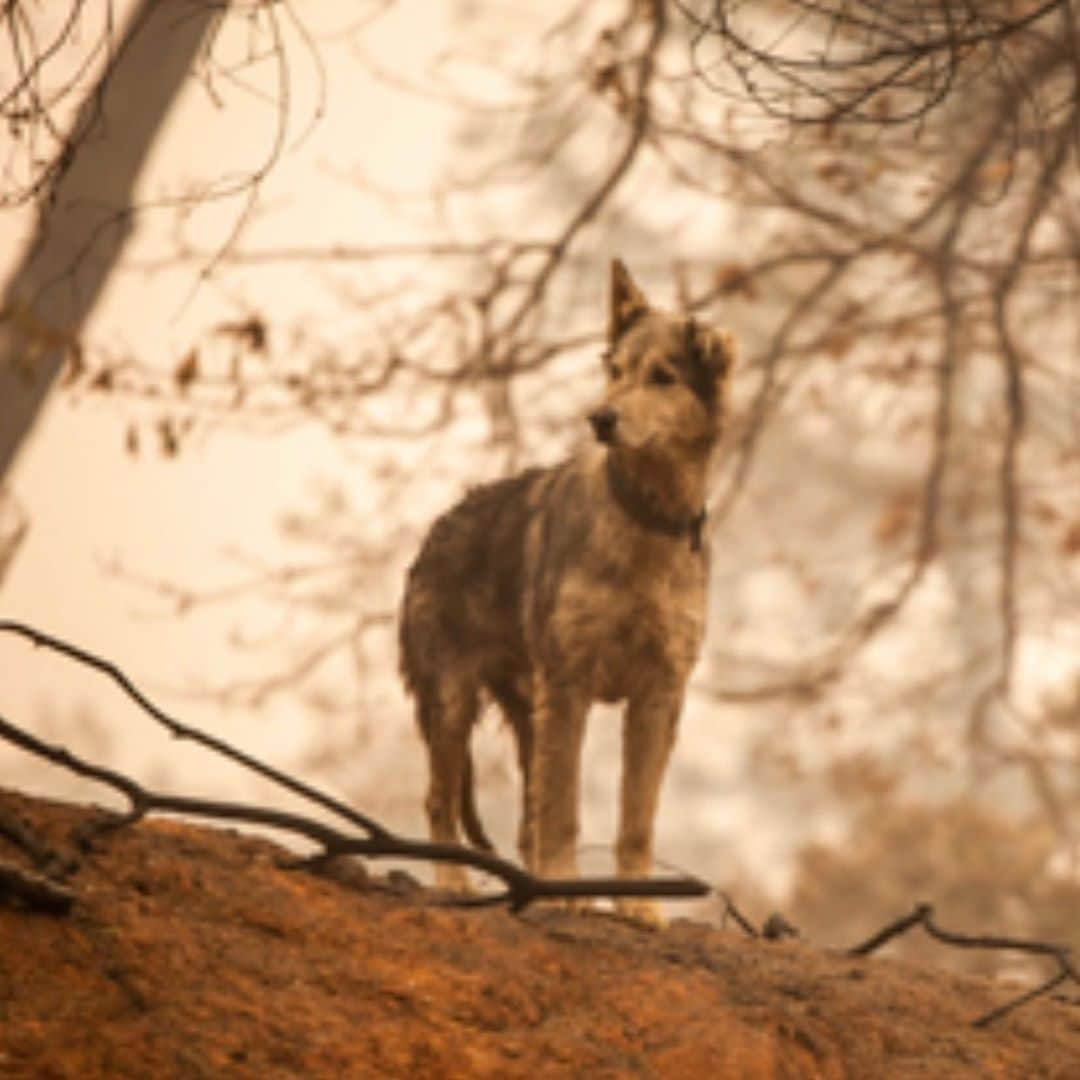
[[922, 915]]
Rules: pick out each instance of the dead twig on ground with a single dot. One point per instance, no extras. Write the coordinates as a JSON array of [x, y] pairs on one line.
[[922, 915], [521, 887], [34, 891]]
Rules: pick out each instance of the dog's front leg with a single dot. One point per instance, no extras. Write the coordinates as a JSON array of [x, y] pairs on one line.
[[648, 736], [558, 733]]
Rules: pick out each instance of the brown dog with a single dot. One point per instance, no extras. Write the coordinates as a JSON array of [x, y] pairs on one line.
[[579, 583]]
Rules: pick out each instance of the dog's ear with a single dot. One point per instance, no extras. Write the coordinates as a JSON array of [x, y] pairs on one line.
[[715, 349], [725, 352], [628, 303]]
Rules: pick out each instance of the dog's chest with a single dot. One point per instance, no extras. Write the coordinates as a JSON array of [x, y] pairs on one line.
[[617, 624]]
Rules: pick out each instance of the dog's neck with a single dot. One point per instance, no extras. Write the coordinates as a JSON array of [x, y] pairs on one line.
[[658, 497]]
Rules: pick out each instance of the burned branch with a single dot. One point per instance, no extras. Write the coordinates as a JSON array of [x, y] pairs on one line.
[[34, 891], [922, 915], [521, 888]]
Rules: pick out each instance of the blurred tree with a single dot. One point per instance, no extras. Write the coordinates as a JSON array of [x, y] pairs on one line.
[[79, 175]]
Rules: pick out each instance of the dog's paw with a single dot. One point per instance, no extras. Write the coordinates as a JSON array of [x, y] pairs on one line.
[[578, 905], [641, 911], [452, 878]]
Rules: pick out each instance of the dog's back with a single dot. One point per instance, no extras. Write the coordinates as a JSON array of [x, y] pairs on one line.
[[463, 595]]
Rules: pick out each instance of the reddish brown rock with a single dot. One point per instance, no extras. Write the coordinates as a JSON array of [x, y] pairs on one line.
[[192, 953]]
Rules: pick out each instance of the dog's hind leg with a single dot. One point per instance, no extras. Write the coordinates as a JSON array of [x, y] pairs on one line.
[[447, 712]]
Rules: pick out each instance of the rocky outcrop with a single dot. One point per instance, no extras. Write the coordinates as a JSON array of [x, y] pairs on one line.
[[194, 952]]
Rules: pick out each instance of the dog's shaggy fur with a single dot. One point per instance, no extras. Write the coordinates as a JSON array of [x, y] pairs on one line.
[[573, 584]]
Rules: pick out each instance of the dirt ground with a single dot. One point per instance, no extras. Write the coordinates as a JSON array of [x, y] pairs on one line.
[[192, 952]]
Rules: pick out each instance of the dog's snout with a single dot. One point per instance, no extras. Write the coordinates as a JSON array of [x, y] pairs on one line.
[[603, 422]]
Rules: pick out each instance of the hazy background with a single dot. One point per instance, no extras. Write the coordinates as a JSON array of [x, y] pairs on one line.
[[368, 267]]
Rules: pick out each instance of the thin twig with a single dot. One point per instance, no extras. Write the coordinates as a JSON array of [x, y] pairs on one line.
[[182, 731], [922, 915], [521, 887]]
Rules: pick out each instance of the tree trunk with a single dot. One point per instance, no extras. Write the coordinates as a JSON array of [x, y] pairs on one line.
[[86, 218]]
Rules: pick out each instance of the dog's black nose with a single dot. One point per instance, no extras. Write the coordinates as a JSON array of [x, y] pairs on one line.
[[603, 422]]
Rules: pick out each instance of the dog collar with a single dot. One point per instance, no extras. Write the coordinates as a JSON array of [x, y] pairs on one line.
[[647, 515]]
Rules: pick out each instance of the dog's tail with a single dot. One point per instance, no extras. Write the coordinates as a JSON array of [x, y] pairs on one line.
[[470, 817], [415, 666]]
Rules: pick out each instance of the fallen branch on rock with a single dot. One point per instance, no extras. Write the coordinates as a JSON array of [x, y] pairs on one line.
[[34, 891], [922, 915], [376, 841], [521, 887]]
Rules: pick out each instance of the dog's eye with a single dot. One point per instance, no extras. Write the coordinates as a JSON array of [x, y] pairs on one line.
[[614, 371], [660, 376]]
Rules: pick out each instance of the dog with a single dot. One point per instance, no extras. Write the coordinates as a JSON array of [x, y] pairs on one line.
[[583, 582]]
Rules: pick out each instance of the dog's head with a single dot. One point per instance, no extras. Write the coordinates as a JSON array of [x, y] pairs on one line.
[[667, 376]]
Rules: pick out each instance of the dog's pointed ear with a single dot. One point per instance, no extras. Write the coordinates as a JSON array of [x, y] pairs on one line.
[[723, 352], [628, 303], [716, 349]]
